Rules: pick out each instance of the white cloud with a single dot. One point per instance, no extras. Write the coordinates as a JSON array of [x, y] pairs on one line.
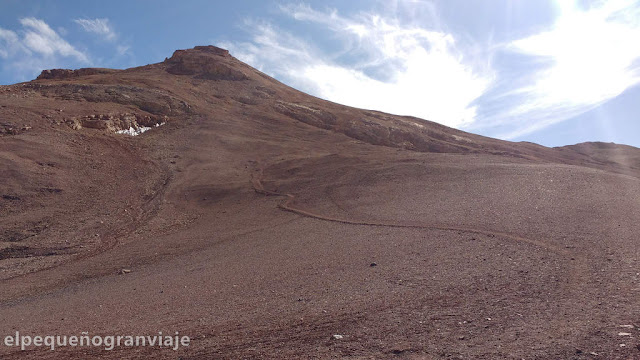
[[40, 38], [383, 64], [592, 56], [9, 41], [103, 28], [97, 26], [33, 48]]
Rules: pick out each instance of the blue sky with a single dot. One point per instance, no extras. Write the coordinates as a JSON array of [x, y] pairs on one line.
[[554, 72]]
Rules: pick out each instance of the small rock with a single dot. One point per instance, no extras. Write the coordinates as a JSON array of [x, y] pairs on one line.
[[337, 337], [461, 338], [124, 271], [623, 345], [593, 353], [624, 334], [627, 326], [373, 264]]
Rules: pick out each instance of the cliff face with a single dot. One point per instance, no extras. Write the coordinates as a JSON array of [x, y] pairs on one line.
[[262, 221]]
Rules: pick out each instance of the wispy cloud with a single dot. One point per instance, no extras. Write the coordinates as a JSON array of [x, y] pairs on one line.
[[35, 47], [589, 56], [103, 29], [98, 26], [122, 49], [10, 43], [40, 38], [383, 64]]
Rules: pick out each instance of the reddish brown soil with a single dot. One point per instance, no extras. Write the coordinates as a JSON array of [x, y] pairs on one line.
[[261, 221]]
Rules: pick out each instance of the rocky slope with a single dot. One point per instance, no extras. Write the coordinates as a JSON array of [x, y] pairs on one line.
[[261, 221]]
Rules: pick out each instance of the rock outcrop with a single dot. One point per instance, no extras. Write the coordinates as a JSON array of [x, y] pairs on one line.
[[152, 101], [60, 74], [201, 61], [115, 122], [12, 129]]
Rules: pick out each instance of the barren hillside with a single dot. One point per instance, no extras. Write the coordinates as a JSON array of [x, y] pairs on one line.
[[261, 221]]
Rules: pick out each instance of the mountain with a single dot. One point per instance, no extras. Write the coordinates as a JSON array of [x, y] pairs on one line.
[[263, 222]]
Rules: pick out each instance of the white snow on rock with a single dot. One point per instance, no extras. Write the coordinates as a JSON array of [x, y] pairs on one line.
[[131, 131]]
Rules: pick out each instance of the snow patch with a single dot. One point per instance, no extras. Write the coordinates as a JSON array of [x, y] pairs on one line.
[[135, 131]]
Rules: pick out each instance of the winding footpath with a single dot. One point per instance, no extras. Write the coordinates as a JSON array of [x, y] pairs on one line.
[[287, 206]]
